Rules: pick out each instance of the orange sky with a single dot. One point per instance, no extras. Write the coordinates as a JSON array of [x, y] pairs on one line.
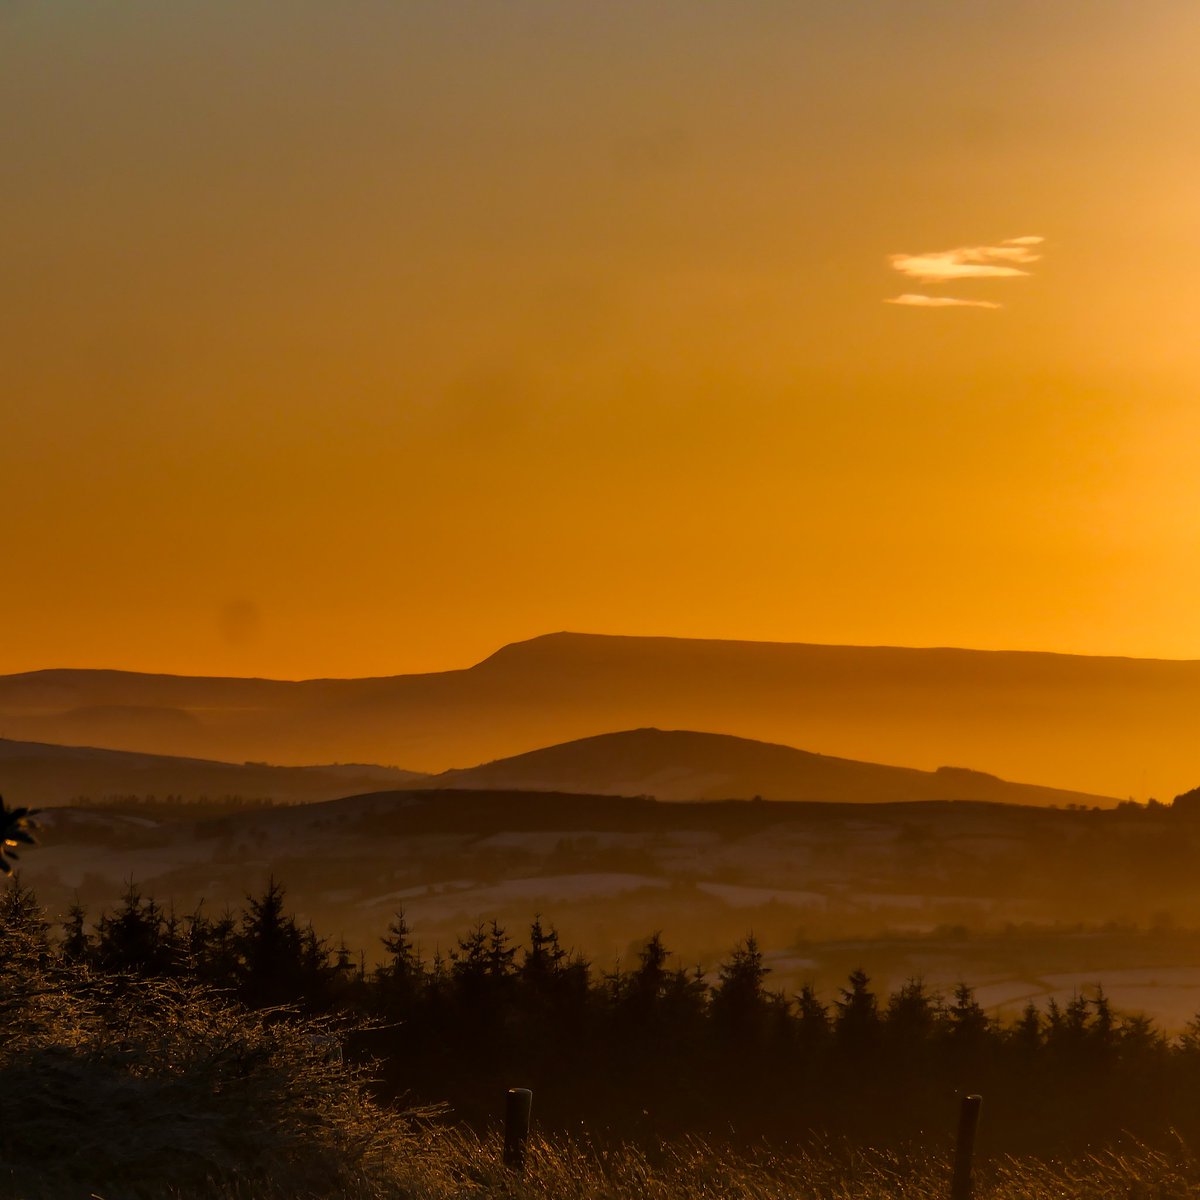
[[363, 338]]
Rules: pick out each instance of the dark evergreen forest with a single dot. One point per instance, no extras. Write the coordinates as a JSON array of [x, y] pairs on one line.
[[660, 1050]]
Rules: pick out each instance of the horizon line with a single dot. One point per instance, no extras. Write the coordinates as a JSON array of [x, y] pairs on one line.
[[944, 648]]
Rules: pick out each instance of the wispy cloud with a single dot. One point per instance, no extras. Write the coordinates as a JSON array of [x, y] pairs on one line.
[[1009, 259], [915, 300], [970, 262]]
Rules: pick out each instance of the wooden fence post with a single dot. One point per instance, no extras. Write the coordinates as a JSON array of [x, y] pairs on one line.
[[517, 1107], [964, 1151]]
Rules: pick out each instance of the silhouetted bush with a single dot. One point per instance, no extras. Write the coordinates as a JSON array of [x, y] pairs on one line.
[[125, 1085]]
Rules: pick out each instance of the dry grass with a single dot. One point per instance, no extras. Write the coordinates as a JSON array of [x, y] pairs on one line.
[[457, 1168]]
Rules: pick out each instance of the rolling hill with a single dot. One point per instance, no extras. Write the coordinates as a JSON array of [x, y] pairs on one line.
[[682, 765], [37, 774], [1112, 726], [675, 765]]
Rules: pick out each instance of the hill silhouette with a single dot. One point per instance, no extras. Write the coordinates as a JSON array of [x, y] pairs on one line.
[[686, 765], [676, 765], [1113, 726], [44, 774]]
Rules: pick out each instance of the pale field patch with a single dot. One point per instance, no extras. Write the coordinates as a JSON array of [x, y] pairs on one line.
[[738, 896]]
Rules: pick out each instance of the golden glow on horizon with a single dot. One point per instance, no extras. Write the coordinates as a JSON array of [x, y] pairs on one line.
[[344, 343]]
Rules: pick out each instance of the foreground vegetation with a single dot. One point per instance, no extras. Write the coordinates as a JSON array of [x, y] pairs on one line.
[[661, 1051], [117, 1084]]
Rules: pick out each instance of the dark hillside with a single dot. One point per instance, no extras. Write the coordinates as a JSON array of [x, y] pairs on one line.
[[52, 775], [684, 765]]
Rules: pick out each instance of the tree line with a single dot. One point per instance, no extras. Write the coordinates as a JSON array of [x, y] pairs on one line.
[[659, 1049]]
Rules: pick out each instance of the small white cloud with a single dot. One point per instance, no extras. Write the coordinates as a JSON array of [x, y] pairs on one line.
[[1008, 259], [915, 300], [965, 262], [937, 268]]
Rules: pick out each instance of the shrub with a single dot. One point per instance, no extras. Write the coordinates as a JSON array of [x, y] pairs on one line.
[[129, 1087]]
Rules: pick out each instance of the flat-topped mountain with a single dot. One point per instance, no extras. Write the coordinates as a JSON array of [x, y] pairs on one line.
[[1114, 726], [684, 765]]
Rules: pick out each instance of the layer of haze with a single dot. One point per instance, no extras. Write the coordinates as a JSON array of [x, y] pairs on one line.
[[366, 337]]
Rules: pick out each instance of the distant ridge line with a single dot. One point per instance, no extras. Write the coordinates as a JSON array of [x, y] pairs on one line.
[[560, 636], [1102, 725]]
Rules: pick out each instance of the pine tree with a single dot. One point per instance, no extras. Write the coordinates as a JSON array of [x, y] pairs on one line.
[[739, 1002], [469, 960], [542, 963], [1026, 1034], [968, 1022], [647, 983], [77, 945], [132, 938], [1103, 1030], [213, 948], [913, 1015], [857, 1023], [500, 953], [814, 1029], [24, 930], [271, 951], [400, 978]]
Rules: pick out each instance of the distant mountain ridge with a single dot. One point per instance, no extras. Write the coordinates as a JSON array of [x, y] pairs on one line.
[[683, 765], [1114, 726]]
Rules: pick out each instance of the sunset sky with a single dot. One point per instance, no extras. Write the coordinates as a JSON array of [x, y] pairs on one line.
[[365, 337]]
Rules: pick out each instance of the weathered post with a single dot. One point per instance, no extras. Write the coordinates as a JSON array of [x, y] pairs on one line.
[[964, 1151], [517, 1106]]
